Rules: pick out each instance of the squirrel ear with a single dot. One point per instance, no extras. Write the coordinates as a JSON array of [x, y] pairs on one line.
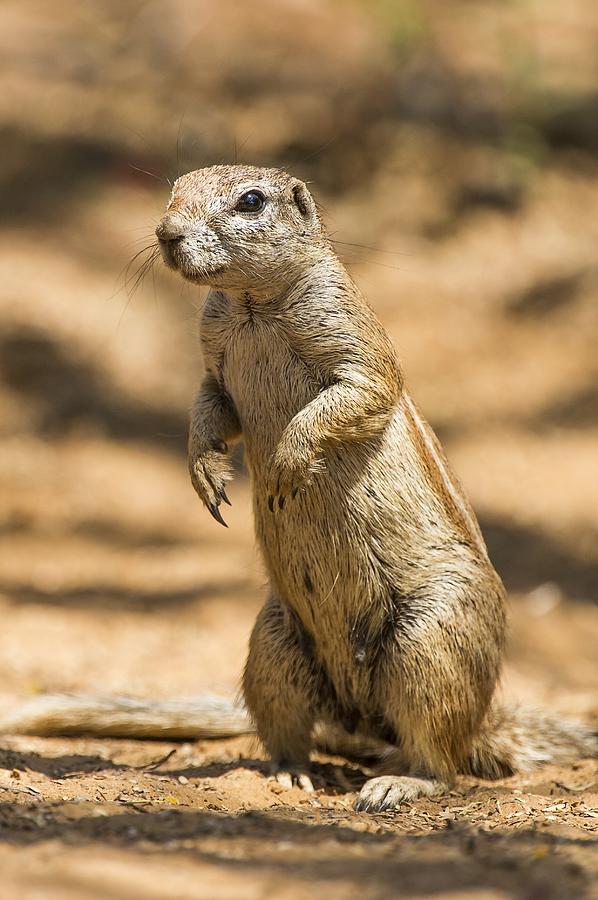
[[304, 201]]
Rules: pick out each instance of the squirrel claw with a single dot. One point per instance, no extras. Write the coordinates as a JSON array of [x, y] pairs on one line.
[[224, 497], [215, 512], [271, 503], [281, 500], [289, 778]]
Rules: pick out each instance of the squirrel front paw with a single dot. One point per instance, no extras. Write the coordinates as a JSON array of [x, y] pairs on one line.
[[210, 469], [290, 471]]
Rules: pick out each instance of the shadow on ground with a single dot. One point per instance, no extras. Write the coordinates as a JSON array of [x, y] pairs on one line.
[[278, 842], [64, 390], [579, 409], [55, 766], [110, 596], [527, 557]]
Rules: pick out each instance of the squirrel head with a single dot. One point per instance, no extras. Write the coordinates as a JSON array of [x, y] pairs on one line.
[[240, 228]]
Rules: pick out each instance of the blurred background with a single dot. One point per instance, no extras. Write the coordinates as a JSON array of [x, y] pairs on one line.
[[454, 148]]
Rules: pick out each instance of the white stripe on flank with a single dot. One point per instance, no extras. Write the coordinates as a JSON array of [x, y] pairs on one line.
[[445, 475]]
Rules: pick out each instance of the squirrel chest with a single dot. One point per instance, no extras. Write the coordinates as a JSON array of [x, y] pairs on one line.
[[248, 348]]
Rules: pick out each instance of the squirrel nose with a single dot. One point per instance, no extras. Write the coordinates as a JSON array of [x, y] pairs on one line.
[[169, 229]]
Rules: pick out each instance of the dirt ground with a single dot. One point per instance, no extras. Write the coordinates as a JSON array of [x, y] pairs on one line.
[[470, 221]]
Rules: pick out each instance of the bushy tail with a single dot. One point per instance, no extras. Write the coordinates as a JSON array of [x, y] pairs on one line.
[[185, 719], [511, 740], [514, 739]]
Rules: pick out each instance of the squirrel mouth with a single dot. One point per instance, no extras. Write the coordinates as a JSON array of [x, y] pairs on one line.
[[167, 251], [200, 274], [170, 251], [175, 257]]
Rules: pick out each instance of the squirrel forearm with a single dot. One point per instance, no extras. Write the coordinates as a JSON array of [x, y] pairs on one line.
[[213, 416], [352, 408], [214, 422]]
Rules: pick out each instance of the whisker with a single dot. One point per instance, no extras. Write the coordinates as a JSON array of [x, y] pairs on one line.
[[134, 279], [368, 248], [123, 278], [153, 146], [125, 272], [135, 241], [241, 146], [374, 262], [151, 174], [319, 149], [179, 143]]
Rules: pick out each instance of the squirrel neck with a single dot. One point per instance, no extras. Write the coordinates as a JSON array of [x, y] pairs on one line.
[[315, 275]]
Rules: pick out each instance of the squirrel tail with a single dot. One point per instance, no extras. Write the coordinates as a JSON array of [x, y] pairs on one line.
[[190, 718], [511, 740], [515, 739]]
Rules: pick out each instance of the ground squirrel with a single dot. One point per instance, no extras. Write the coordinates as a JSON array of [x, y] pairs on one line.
[[384, 616]]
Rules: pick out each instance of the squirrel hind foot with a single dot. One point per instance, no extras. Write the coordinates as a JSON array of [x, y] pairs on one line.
[[389, 791]]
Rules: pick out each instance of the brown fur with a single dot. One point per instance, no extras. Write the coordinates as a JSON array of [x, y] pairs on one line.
[[384, 611], [384, 615]]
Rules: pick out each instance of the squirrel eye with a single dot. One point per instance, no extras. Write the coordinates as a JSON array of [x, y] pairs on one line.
[[251, 202]]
